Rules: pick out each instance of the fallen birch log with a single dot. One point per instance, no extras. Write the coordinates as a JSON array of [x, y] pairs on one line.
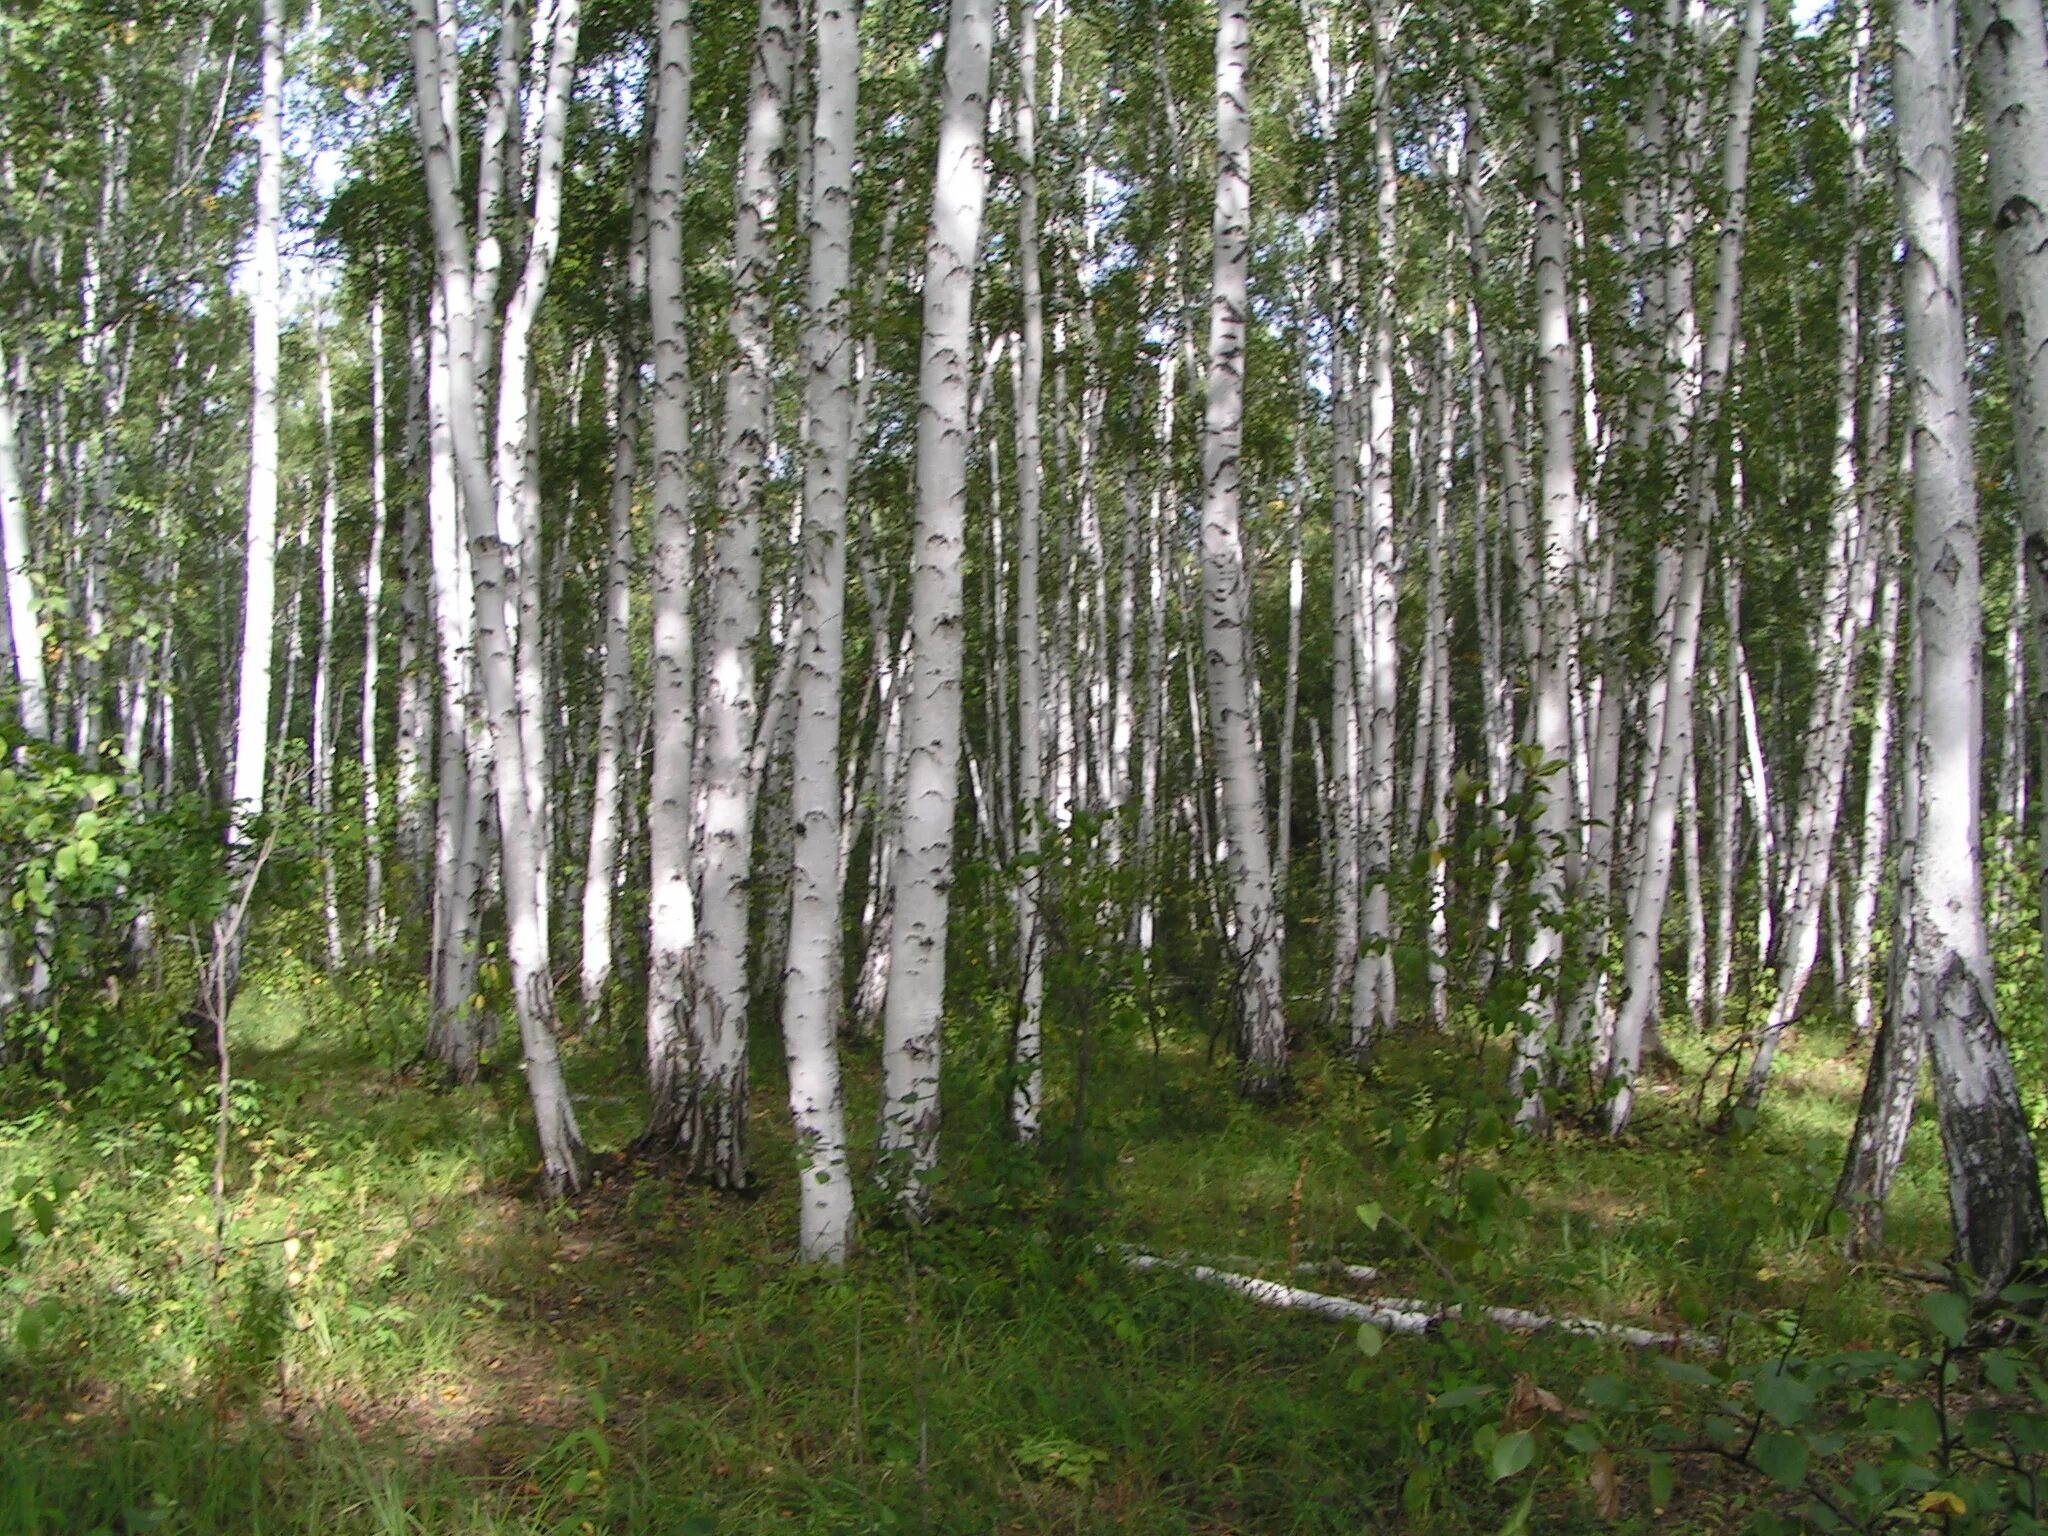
[[1403, 1314]]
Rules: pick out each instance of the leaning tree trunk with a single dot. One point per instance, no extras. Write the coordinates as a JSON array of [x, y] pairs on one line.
[[1845, 600], [1994, 1182], [1891, 1082], [1695, 434], [909, 1128], [1226, 587]]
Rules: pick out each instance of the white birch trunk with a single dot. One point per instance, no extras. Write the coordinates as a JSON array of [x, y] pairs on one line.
[[811, 995], [1378, 679], [1551, 704], [1993, 1179], [672, 914], [2010, 54], [24, 626], [1870, 849], [702, 1116], [1697, 399], [373, 629], [563, 1160], [1027, 1068], [912, 1016], [600, 868], [259, 539], [323, 662], [1226, 596]]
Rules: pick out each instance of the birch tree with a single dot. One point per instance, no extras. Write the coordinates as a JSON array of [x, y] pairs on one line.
[[2010, 56], [1701, 378], [24, 624], [672, 909], [701, 1114], [1993, 1179], [222, 976], [912, 1015], [1030, 382], [1226, 587], [811, 995], [564, 1167]]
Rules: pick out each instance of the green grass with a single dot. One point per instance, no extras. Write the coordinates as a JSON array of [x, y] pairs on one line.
[[434, 1350]]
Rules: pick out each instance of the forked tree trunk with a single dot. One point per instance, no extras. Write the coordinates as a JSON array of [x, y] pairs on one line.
[[563, 1160]]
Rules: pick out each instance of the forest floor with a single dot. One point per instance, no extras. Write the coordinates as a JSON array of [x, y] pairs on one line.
[[401, 1337]]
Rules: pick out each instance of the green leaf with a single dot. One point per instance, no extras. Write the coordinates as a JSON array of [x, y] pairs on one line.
[[1512, 1453], [1370, 1213], [1918, 1430], [1785, 1398], [1661, 1482], [1370, 1340], [1609, 1392], [1782, 1458], [1685, 1372], [1949, 1313]]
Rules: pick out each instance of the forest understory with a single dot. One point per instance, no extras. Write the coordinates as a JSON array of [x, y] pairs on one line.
[[401, 1336]]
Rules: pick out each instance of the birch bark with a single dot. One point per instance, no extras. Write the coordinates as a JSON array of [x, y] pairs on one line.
[[911, 1023], [25, 630], [1378, 665], [811, 996], [672, 916], [259, 540], [1027, 1068], [563, 1160], [1993, 1179], [600, 869], [701, 1111], [1694, 412], [2010, 54]]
